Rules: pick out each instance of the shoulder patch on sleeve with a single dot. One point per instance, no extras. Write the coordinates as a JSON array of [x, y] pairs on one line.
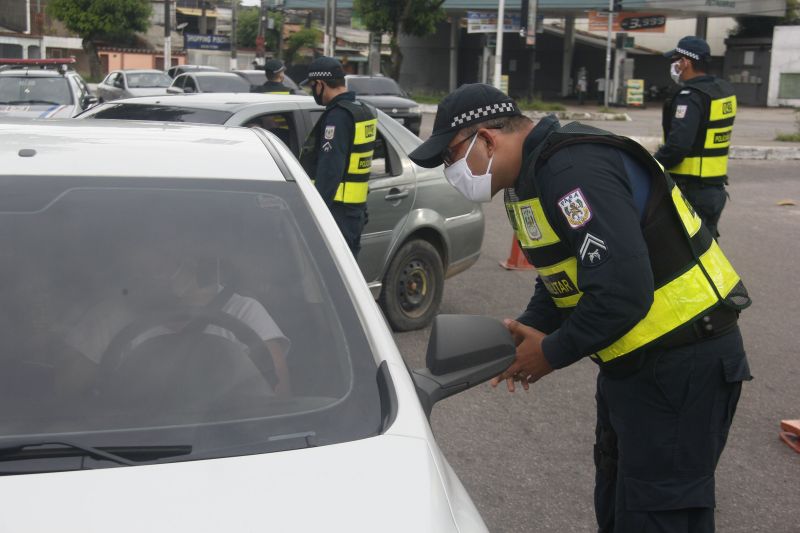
[[680, 111], [575, 208], [330, 130], [594, 251]]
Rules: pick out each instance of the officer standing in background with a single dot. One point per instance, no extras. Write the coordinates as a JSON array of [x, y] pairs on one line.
[[274, 70], [627, 276], [338, 152], [697, 123]]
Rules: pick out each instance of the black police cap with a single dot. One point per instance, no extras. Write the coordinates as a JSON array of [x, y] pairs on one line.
[[274, 66], [469, 104], [691, 47], [324, 68]]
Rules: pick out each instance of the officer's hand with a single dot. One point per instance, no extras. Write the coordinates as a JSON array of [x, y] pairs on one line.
[[530, 363]]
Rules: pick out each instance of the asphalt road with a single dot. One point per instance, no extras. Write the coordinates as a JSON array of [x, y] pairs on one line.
[[526, 458]]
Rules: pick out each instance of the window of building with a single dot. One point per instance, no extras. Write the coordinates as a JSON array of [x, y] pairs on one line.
[[789, 85]]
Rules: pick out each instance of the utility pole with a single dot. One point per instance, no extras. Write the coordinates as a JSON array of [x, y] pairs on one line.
[[333, 28], [498, 51], [167, 34], [234, 7], [608, 49], [326, 40], [203, 18]]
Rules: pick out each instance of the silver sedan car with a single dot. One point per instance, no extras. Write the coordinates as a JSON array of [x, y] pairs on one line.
[[420, 230], [131, 83]]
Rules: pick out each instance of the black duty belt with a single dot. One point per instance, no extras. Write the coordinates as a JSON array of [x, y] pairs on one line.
[[714, 324]]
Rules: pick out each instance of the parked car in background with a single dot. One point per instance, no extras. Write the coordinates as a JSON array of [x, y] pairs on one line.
[[139, 362], [177, 70], [257, 78], [132, 83], [385, 94], [42, 88], [420, 229], [208, 82]]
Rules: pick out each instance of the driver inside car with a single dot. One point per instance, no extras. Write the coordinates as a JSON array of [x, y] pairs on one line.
[[166, 281]]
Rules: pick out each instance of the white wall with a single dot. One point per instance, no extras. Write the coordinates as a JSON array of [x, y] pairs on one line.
[[785, 58]]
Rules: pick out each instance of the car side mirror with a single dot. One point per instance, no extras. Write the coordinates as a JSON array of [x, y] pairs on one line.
[[463, 351], [174, 90], [88, 101]]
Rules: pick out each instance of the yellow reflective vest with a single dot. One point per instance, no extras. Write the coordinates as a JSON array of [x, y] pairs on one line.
[[692, 276], [354, 187], [708, 159]]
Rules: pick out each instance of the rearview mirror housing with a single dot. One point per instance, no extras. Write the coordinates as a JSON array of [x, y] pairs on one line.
[[463, 351]]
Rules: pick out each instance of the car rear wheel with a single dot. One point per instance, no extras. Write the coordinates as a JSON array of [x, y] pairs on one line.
[[413, 286]]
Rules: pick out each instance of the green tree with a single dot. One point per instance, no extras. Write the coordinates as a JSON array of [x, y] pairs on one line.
[[101, 20], [764, 26], [411, 17], [305, 37], [247, 27]]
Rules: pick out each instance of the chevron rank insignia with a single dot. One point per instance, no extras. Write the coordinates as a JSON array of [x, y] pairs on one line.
[[594, 251]]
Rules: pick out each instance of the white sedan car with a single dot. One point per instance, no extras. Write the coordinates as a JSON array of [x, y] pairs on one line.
[[188, 345]]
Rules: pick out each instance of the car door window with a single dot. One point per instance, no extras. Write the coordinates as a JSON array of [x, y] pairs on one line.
[[281, 124], [119, 82], [385, 161], [112, 78], [190, 84]]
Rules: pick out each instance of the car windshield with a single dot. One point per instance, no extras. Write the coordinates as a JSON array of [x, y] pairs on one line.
[[223, 84], [374, 86], [141, 80], [195, 313], [34, 90], [158, 113], [254, 77]]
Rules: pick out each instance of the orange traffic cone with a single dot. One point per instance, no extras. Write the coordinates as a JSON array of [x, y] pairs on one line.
[[516, 259]]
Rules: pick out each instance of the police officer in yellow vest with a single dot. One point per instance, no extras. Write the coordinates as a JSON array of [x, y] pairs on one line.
[[697, 122], [629, 277], [274, 70], [338, 152]]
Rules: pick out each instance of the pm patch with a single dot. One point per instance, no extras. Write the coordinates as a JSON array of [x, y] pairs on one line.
[[594, 251], [680, 111], [329, 132], [575, 209], [531, 227]]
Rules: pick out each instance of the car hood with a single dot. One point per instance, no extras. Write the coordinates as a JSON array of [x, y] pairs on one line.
[[37, 111], [147, 91], [388, 102], [386, 483]]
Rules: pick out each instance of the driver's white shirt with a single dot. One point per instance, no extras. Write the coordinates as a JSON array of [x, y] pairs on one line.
[[98, 326]]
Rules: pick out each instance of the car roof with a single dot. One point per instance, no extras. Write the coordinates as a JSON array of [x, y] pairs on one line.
[[231, 102], [112, 148], [33, 73], [140, 70]]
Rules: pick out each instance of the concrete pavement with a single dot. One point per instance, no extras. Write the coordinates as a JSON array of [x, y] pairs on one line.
[[753, 134]]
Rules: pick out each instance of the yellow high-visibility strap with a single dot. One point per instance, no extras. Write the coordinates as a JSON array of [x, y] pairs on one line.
[[723, 108], [352, 192], [569, 269], [718, 137], [533, 229], [689, 217], [703, 167], [360, 162], [678, 302], [366, 131]]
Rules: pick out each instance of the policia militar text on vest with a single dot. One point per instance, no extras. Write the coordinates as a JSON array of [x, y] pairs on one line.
[[697, 292]]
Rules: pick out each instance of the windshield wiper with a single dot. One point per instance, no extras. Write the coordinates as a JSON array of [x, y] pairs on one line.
[[116, 454], [17, 102]]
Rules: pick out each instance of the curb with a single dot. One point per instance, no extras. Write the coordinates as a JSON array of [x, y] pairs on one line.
[[753, 153], [562, 115]]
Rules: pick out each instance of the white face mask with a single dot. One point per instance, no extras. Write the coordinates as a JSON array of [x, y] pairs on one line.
[[475, 188], [674, 73]]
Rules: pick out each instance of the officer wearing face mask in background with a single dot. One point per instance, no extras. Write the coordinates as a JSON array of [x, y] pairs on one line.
[[338, 152], [629, 277], [697, 123]]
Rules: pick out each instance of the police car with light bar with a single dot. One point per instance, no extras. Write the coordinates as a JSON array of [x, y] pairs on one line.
[[42, 88]]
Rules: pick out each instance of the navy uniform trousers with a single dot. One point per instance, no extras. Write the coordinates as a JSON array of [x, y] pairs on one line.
[[660, 432]]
